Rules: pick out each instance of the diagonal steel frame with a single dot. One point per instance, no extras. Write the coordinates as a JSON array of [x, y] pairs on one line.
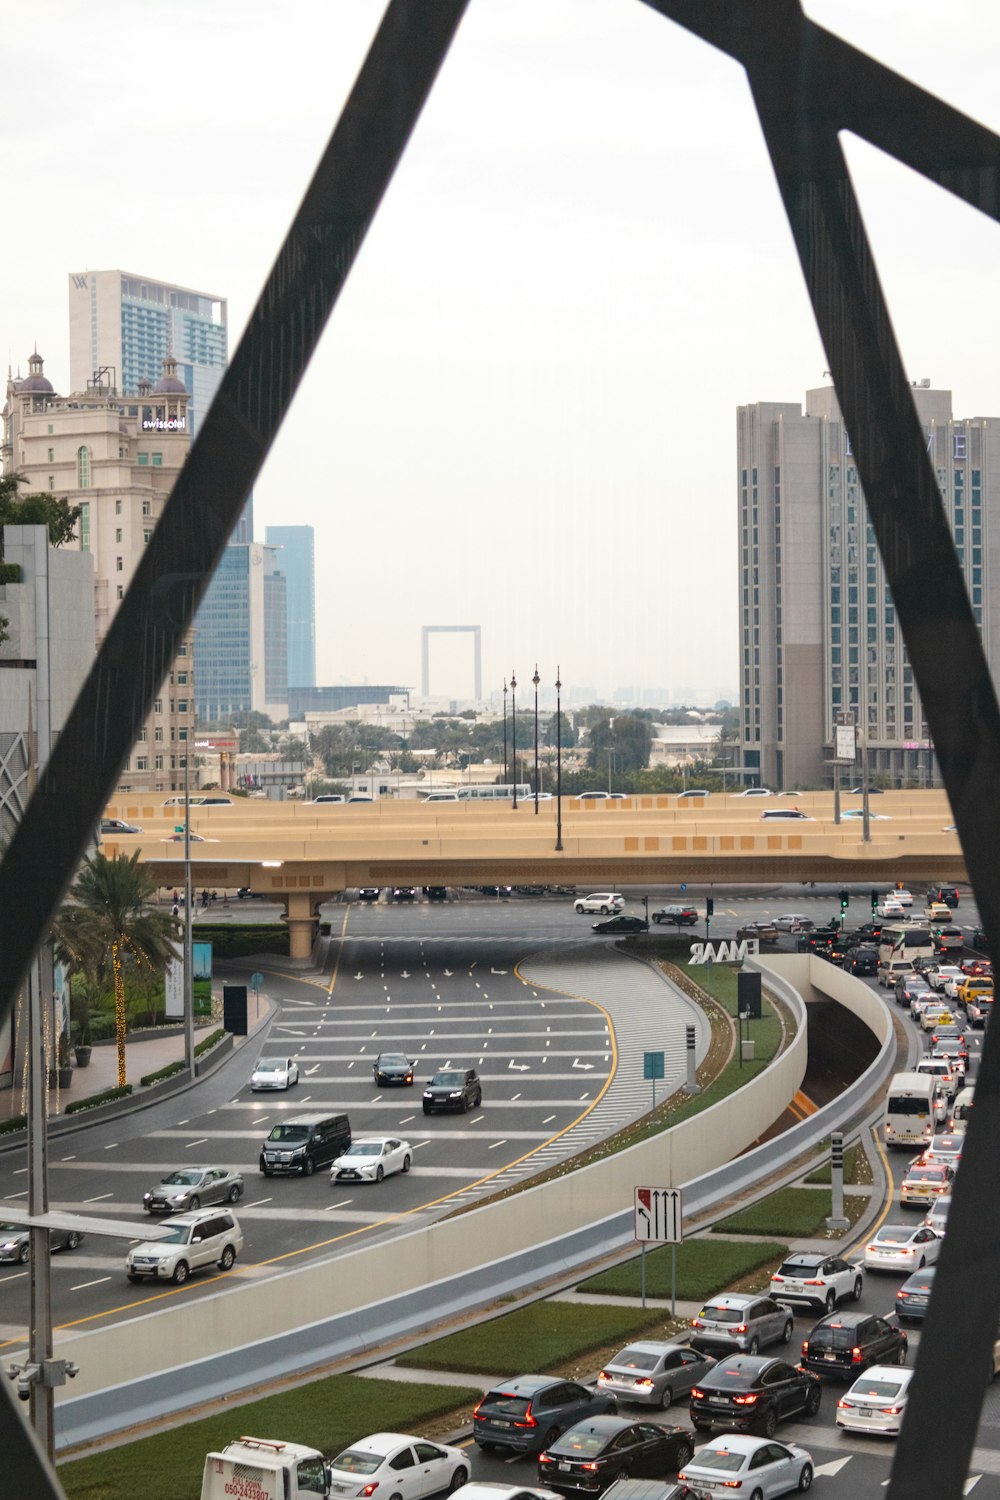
[[312, 266], [801, 109], [203, 507]]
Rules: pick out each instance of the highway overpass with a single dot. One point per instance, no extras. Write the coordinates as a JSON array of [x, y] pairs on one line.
[[303, 853]]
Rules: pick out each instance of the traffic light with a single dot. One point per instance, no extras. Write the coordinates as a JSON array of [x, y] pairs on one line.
[[874, 903], [709, 907], [845, 897]]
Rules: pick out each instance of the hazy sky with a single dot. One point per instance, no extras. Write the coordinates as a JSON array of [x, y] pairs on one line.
[[522, 414]]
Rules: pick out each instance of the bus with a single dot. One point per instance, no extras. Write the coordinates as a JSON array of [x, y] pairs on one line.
[[907, 940], [498, 792], [913, 1109]]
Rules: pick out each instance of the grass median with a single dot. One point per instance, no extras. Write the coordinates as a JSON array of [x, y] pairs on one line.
[[703, 1268], [533, 1338], [795, 1212], [327, 1414]]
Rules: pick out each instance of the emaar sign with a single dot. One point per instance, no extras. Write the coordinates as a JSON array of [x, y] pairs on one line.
[[724, 952]]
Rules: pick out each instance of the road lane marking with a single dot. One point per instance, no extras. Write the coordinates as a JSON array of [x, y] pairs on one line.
[[82, 1285], [495, 1144], [99, 1199], [201, 1142], [257, 1202]]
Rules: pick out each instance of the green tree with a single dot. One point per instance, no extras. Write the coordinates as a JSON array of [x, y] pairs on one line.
[[41, 509], [566, 737], [107, 921], [626, 738]]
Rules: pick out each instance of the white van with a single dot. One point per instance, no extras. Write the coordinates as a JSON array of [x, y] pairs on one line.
[[913, 1109]]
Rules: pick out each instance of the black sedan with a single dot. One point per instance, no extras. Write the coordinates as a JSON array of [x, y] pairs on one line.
[[391, 1068], [593, 1454], [752, 1394], [622, 923], [846, 1343]]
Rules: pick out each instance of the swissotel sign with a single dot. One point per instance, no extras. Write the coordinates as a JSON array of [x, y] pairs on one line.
[[724, 952]]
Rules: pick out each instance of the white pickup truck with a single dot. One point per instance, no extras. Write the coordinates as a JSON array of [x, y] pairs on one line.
[[259, 1469]]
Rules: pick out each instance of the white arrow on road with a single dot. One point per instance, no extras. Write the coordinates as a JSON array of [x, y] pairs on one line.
[[404, 975], [518, 1067], [359, 976], [314, 1069], [833, 1467], [498, 971], [447, 973], [587, 1067]]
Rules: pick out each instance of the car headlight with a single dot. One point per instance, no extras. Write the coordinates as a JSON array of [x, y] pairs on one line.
[[8, 1245], [455, 1094], [147, 1197], [428, 1094]]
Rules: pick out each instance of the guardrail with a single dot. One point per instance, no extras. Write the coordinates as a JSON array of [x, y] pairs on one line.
[[457, 1265]]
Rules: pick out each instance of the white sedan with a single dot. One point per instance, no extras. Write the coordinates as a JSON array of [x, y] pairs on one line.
[[890, 908], [793, 921], [901, 1247], [735, 1461], [945, 975], [409, 1467], [858, 812], [876, 1401], [275, 1073], [371, 1159]]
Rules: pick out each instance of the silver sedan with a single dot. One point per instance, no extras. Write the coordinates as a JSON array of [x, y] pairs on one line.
[[649, 1373], [192, 1187]]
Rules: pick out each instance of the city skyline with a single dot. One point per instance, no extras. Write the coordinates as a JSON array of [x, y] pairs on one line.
[[523, 410]]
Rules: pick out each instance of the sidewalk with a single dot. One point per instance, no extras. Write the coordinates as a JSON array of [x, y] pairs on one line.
[[145, 1055]]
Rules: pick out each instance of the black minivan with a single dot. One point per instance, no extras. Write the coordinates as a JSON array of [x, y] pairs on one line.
[[303, 1143]]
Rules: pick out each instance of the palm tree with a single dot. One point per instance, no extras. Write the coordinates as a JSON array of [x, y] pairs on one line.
[[108, 916]]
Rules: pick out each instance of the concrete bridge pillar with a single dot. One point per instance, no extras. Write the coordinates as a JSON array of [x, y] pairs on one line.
[[301, 925]]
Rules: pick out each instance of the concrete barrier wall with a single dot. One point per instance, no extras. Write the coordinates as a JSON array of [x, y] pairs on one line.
[[171, 1358]]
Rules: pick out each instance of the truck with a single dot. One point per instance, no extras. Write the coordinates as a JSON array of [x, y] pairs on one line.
[[252, 1468]]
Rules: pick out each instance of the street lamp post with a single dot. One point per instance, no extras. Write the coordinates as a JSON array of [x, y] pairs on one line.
[[513, 731], [505, 777], [559, 842], [536, 681]]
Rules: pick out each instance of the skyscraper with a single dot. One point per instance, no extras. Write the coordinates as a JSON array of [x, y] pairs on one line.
[[129, 324], [241, 634], [818, 630], [296, 562]]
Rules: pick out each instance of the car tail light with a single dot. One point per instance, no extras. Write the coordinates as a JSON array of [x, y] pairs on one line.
[[697, 1394], [646, 1385], [589, 1466], [779, 1279], [697, 1323], [529, 1419], [369, 1489], [742, 1328], [856, 1356], [816, 1282], [842, 1404], [603, 1375], [475, 1409], [543, 1458], [805, 1346], [745, 1400]]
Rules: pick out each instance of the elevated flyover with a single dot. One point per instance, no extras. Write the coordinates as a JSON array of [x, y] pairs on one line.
[[302, 853]]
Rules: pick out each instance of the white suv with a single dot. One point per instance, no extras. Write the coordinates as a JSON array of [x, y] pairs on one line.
[[608, 903], [817, 1280], [210, 1237]]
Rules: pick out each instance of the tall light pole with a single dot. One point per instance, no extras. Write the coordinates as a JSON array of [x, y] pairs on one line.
[[505, 776], [188, 940], [536, 679], [559, 842], [513, 730]]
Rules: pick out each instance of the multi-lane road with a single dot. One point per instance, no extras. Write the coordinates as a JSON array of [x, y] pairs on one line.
[[454, 984]]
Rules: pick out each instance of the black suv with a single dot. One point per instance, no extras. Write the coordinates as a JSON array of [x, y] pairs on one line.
[[528, 1413], [752, 1394], [846, 1344], [304, 1143], [456, 1088], [862, 961], [946, 893]]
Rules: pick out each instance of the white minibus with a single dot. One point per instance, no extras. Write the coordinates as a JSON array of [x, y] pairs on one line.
[[912, 1110]]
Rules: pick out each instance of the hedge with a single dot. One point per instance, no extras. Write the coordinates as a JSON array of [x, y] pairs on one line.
[[10, 572], [161, 1073], [242, 941], [209, 1042], [122, 1092], [16, 1122]]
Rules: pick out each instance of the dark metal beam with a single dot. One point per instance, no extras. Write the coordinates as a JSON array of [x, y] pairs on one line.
[[255, 394]]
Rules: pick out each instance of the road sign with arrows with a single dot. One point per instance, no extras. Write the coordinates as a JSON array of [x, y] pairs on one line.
[[659, 1215]]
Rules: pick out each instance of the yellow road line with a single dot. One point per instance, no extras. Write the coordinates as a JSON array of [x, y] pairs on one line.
[[405, 1213]]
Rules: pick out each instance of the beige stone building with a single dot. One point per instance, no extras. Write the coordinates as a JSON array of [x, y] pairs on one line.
[[117, 458]]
